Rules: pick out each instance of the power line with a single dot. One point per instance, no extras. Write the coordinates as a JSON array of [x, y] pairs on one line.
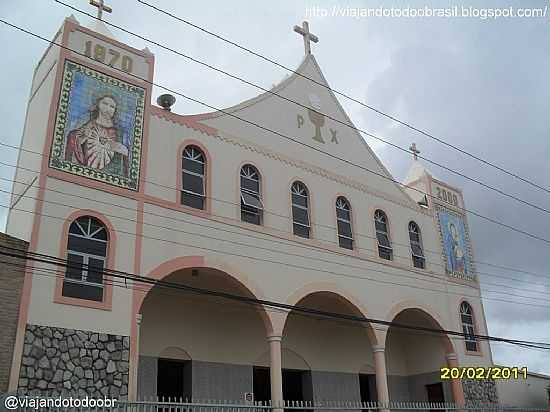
[[238, 306], [328, 272], [355, 100], [494, 221], [252, 300], [195, 60], [435, 252], [284, 242]]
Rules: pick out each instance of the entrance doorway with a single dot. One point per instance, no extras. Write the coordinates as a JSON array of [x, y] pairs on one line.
[[367, 387], [261, 382], [435, 392], [174, 379]]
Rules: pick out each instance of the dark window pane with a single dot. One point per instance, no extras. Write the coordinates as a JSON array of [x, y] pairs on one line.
[[418, 262], [193, 166], [343, 214], [251, 200], [344, 228], [97, 229], [191, 200], [89, 246], [193, 183], [252, 185], [414, 237], [416, 249], [345, 243], [250, 215], [383, 240], [300, 215], [95, 271], [302, 231], [384, 253], [82, 291], [75, 229], [380, 226], [299, 200], [471, 346], [74, 266]]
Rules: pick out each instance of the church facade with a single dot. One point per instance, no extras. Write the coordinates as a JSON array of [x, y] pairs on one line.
[[252, 201]]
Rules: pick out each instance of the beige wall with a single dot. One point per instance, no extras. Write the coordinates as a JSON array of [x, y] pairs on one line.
[[531, 392]]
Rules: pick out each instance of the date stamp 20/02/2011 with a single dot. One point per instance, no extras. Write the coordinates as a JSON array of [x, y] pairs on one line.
[[492, 372]]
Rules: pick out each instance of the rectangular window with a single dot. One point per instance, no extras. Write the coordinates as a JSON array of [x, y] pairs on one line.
[[345, 242], [192, 200], [193, 183], [385, 253], [301, 230]]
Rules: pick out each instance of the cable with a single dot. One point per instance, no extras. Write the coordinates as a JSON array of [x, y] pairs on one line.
[[289, 264], [438, 253], [242, 307], [372, 108], [501, 192], [246, 299], [494, 221], [238, 306], [284, 242]]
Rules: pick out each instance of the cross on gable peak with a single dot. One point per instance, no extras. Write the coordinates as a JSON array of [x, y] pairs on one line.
[[414, 151], [101, 7], [307, 35]]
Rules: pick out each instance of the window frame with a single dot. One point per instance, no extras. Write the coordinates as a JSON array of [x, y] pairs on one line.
[[247, 208], [203, 176], [65, 279], [466, 326], [415, 257], [297, 222], [383, 248], [344, 202]]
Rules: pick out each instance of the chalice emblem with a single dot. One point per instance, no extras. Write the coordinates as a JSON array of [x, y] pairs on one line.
[[316, 118]]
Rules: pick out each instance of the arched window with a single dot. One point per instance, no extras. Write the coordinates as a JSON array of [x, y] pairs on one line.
[[300, 209], [86, 255], [467, 319], [416, 246], [385, 250], [343, 218], [193, 182], [251, 199]]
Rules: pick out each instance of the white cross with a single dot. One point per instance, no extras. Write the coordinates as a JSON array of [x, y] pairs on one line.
[[100, 4], [414, 151], [308, 36]]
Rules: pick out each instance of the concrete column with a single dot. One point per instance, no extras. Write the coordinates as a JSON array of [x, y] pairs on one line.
[[456, 384], [134, 360], [381, 375], [276, 371]]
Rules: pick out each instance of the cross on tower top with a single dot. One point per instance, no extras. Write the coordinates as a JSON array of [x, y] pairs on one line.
[[101, 6], [414, 151], [308, 36]]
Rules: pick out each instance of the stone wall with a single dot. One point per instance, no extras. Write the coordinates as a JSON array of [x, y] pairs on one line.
[[74, 362], [480, 392], [12, 276]]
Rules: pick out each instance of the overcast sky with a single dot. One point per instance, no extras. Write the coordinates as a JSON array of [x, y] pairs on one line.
[[481, 84]]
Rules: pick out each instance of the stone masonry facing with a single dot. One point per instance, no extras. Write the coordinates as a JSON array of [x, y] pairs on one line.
[[68, 362]]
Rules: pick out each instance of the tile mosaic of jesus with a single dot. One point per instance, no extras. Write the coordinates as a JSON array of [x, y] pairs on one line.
[[98, 127]]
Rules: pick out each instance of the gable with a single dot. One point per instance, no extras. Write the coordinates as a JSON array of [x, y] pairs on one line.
[[312, 132]]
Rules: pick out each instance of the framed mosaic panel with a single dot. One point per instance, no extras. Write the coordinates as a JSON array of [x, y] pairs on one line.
[[99, 127], [455, 241]]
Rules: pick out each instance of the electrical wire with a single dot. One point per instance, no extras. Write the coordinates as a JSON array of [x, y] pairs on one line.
[[383, 176], [332, 273], [302, 309], [355, 100]]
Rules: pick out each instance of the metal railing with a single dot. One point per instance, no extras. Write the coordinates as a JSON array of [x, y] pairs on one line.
[[180, 405]]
